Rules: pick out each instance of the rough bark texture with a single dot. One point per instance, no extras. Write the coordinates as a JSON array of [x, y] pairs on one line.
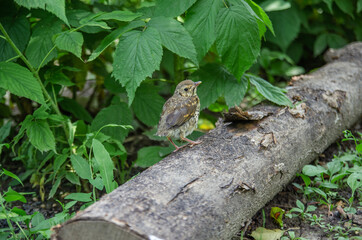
[[209, 191]]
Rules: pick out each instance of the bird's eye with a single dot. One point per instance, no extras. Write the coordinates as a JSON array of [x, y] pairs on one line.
[[186, 89]]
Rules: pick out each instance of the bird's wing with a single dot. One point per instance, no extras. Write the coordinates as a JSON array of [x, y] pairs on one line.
[[182, 112]]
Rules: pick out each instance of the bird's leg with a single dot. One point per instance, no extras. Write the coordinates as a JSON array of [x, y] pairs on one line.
[[191, 143], [177, 147]]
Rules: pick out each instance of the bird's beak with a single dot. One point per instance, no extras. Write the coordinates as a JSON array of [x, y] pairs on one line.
[[197, 83]]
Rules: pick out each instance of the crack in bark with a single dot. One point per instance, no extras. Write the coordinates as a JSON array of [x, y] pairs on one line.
[[184, 189]]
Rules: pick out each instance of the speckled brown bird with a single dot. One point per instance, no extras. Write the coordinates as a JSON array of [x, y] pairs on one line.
[[180, 114]]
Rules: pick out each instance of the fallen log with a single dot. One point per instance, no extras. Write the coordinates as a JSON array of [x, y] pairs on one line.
[[209, 191]]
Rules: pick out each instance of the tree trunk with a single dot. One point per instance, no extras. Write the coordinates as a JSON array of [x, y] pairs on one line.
[[209, 191]]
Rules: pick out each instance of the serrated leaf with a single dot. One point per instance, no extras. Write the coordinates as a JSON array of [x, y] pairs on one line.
[[105, 165], [172, 8], [41, 41], [20, 81], [147, 104], [347, 6], [261, 14], [76, 15], [18, 30], [81, 166], [124, 16], [270, 92], [71, 42], [217, 82], [200, 22], [80, 197], [286, 27], [137, 56], [115, 114], [57, 7], [41, 136], [149, 156], [238, 40], [109, 39], [174, 37], [75, 108]]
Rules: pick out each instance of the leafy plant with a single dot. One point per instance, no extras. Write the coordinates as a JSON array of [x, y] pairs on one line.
[[304, 213]]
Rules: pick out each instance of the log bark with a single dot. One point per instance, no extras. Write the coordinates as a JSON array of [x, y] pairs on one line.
[[209, 191]]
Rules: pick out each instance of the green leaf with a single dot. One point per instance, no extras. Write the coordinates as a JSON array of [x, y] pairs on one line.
[[55, 187], [346, 6], [238, 39], [57, 7], [41, 136], [275, 5], [77, 15], [335, 41], [5, 131], [147, 104], [41, 43], [109, 39], [58, 162], [354, 181], [329, 185], [81, 166], [320, 192], [200, 22], [149, 156], [72, 178], [329, 4], [217, 82], [75, 108], [80, 197], [286, 27], [320, 44], [312, 171], [172, 8], [359, 6], [270, 92], [10, 174], [20, 81], [137, 56], [174, 37], [300, 205], [277, 214], [97, 182], [18, 30], [114, 114], [123, 16], [105, 164], [261, 15], [12, 196], [71, 42]]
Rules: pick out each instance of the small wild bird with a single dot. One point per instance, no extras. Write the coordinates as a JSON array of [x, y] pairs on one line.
[[180, 114]]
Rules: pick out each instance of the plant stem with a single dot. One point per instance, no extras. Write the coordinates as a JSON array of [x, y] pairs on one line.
[[35, 74], [46, 56], [6, 215]]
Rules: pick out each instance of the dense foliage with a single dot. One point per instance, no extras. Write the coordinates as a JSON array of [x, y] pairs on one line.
[[80, 81]]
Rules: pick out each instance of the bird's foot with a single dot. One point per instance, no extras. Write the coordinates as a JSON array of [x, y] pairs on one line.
[[178, 148], [193, 143]]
